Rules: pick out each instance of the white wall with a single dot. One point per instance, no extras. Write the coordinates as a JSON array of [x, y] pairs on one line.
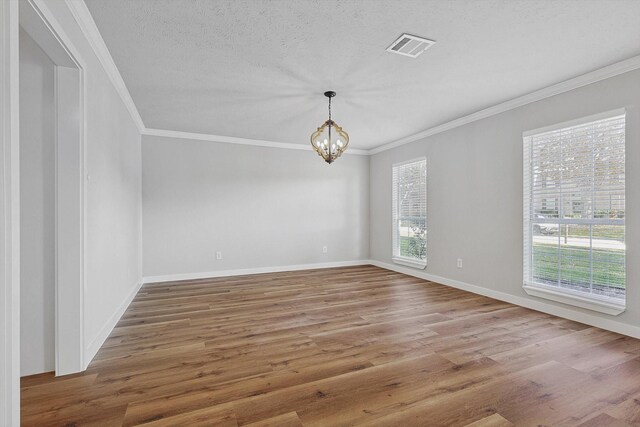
[[260, 206], [474, 191], [113, 192], [37, 178]]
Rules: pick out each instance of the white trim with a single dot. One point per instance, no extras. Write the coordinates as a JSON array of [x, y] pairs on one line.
[[65, 361], [96, 343], [88, 27], [57, 31], [9, 217], [410, 263], [594, 304], [564, 312], [574, 83], [576, 122], [235, 140], [56, 216], [247, 271], [406, 162]]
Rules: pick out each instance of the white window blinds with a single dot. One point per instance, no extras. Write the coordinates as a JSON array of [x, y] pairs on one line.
[[410, 213], [574, 208]]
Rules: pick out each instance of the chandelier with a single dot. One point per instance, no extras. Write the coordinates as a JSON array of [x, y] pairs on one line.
[[329, 140]]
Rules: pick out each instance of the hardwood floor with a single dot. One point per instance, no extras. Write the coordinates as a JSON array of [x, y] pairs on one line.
[[346, 346]]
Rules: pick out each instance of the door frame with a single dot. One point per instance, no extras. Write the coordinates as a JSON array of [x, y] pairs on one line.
[[70, 189], [10, 201], [9, 217]]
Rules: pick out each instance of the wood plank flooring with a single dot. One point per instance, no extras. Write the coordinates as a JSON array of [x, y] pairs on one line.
[[336, 347]]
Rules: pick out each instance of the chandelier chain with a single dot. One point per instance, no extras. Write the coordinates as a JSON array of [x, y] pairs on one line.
[[330, 123]]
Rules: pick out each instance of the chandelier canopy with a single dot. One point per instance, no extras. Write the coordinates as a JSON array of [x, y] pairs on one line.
[[329, 140]]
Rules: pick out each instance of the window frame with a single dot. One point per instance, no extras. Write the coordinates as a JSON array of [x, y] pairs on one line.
[[395, 230], [597, 303]]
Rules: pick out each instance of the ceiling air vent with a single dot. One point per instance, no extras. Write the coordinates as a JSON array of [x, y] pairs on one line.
[[410, 46]]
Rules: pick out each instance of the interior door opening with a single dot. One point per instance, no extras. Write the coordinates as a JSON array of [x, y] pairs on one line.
[[51, 198]]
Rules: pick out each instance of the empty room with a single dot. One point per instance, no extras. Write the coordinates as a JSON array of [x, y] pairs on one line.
[[296, 213]]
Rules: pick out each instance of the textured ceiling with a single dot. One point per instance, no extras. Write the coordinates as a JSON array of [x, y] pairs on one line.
[[257, 69]]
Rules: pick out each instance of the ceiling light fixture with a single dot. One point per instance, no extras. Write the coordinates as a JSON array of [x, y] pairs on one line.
[[329, 140]]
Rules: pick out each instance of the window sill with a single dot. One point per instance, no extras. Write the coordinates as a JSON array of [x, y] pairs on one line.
[[607, 307], [410, 263]]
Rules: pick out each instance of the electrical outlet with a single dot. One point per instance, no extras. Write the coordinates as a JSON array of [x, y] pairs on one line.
[[324, 250], [459, 262], [218, 255]]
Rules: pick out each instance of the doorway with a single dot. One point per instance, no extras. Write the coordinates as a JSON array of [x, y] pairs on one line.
[[52, 198]]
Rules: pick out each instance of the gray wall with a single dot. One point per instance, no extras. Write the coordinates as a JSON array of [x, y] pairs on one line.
[[474, 189], [37, 175], [262, 207]]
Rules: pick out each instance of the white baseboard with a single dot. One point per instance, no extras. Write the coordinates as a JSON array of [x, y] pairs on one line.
[[564, 312], [96, 343], [245, 271]]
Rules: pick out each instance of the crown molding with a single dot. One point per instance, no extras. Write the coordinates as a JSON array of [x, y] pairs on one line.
[[565, 86], [88, 27], [574, 83], [235, 140]]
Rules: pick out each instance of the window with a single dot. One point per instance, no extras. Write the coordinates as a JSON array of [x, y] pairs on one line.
[[410, 213], [574, 212]]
